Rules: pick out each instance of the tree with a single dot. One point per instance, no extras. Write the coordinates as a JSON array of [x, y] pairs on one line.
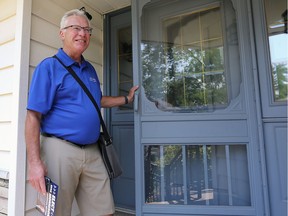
[[280, 81]]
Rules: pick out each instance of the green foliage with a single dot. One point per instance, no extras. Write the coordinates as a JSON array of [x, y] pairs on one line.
[[183, 78], [280, 81]]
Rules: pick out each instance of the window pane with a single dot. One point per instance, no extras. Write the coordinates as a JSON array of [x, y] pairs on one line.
[[197, 175], [183, 61], [125, 80], [276, 16]]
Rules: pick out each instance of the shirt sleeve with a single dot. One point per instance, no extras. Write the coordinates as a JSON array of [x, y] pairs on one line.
[[42, 88]]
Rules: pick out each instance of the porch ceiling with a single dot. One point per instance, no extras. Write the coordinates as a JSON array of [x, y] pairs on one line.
[[106, 6]]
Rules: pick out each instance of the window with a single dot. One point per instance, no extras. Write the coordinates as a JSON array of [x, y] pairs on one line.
[[197, 175], [125, 76], [276, 17], [190, 59]]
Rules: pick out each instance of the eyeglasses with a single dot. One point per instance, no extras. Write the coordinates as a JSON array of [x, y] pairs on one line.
[[77, 28]]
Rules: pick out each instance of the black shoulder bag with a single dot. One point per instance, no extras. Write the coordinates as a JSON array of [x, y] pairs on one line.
[[108, 152]]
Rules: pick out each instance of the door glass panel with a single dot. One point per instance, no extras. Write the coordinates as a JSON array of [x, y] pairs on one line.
[[276, 16], [125, 80], [184, 65], [215, 175]]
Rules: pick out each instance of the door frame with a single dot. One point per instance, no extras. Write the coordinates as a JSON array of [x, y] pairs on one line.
[[115, 117], [272, 117]]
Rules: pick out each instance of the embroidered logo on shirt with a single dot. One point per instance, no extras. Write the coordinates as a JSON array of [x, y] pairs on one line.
[[92, 79]]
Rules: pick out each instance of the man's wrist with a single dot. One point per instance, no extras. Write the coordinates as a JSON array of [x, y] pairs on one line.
[[126, 100]]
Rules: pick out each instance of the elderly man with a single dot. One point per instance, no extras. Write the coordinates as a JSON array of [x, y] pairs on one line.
[[62, 125]]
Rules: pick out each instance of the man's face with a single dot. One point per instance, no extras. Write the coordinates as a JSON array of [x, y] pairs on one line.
[[75, 39]]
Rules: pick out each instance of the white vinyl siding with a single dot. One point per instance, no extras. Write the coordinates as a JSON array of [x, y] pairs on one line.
[[7, 44], [9, 101]]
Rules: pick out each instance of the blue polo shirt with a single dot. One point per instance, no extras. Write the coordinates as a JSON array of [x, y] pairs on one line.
[[66, 110]]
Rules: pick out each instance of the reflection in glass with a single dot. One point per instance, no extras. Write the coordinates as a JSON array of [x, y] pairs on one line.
[[276, 17], [197, 175], [184, 71]]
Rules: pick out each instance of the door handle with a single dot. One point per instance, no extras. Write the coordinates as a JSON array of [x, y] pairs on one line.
[[136, 102]]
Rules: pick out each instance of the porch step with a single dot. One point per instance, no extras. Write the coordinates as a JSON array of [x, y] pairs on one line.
[[117, 213], [124, 212]]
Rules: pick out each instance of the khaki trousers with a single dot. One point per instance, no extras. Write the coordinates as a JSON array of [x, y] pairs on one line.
[[79, 172]]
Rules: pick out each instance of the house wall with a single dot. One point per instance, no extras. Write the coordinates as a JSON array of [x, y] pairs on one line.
[[7, 70], [29, 32], [45, 21]]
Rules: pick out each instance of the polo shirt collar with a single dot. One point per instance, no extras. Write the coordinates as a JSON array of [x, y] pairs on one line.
[[67, 60]]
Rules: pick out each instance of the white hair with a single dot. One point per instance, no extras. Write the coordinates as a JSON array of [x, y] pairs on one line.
[[74, 12]]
